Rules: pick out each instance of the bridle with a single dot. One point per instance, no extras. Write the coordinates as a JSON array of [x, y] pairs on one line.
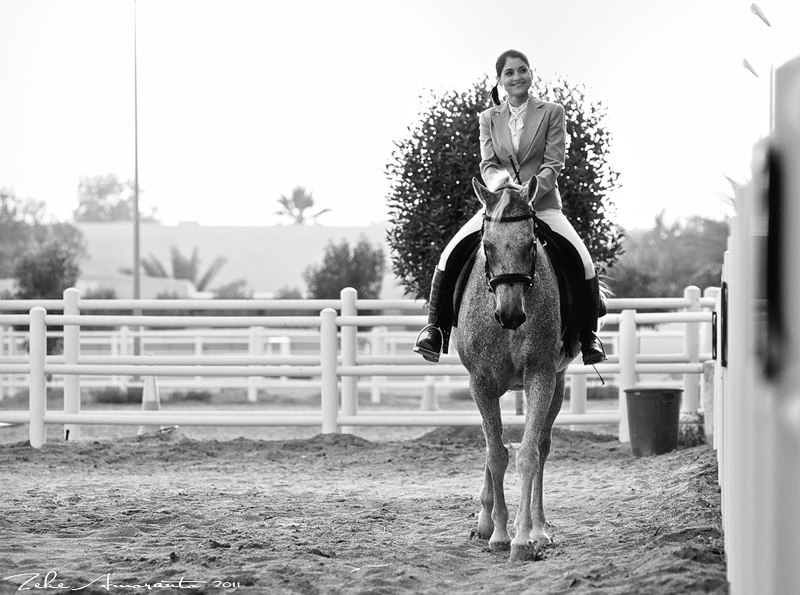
[[492, 280]]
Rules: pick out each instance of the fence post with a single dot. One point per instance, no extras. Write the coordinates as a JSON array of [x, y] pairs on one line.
[[72, 350], [348, 296], [37, 396], [124, 340], [329, 388], [577, 395], [254, 350], [378, 343], [691, 349], [627, 363], [2, 353]]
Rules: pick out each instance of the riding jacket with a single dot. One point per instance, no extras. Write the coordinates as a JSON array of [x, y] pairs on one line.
[[541, 150]]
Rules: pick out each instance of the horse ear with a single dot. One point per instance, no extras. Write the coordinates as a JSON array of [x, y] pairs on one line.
[[483, 193]]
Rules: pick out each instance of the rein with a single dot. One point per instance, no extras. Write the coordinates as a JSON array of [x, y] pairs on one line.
[[492, 280]]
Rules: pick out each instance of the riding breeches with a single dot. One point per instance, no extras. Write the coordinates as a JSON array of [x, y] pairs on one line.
[[555, 218]]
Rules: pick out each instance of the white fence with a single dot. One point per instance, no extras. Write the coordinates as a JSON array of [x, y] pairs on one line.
[[336, 369], [757, 409]]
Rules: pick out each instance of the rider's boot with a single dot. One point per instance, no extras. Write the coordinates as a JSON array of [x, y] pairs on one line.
[[430, 339], [591, 346]]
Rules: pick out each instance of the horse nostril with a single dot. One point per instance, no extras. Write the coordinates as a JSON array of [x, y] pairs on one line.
[[497, 317]]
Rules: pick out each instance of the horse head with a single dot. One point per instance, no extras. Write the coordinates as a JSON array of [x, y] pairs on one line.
[[509, 244]]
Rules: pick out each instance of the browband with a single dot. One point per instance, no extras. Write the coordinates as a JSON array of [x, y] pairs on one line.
[[509, 219]]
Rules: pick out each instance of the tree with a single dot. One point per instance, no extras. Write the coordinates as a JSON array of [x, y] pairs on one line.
[[295, 206], [47, 271], [663, 261], [183, 267], [105, 198], [362, 268], [21, 222], [235, 290], [431, 173]]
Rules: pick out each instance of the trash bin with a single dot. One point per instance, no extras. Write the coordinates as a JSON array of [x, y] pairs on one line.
[[653, 418]]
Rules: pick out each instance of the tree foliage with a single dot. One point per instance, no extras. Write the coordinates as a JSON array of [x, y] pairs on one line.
[[47, 271], [362, 268], [43, 257], [664, 260], [431, 173], [21, 227], [105, 198], [296, 205]]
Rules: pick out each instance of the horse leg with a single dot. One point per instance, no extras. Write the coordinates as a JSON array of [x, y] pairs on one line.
[[530, 463], [493, 518], [538, 532], [485, 523]]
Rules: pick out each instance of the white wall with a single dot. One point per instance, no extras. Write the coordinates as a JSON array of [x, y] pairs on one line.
[[269, 258]]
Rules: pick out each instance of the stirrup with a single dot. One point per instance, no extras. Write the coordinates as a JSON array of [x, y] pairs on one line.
[[428, 354], [597, 357]]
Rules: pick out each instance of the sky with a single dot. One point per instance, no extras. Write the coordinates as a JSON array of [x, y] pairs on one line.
[[239, 101]]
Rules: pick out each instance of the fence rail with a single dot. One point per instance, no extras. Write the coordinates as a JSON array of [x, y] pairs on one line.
[[337, 369]]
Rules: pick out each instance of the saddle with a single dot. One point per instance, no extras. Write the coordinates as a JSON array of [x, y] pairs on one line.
[[568, 268]]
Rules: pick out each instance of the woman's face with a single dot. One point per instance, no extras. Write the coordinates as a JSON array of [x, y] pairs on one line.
[[516, 79]]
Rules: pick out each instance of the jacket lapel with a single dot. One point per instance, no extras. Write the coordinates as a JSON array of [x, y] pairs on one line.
[[500, 119], [533, 119]]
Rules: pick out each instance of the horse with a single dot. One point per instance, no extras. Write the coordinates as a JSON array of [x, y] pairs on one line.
[[509, 336]]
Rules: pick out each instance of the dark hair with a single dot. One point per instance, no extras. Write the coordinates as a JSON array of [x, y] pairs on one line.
[[501, 62]]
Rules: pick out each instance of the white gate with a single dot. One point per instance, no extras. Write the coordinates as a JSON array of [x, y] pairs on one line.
[[758, 398]]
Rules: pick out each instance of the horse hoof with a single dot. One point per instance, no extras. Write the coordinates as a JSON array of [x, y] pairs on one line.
[[525, 553], [499, 546]]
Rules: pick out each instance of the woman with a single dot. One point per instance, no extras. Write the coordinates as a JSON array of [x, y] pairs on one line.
[[522, 140]]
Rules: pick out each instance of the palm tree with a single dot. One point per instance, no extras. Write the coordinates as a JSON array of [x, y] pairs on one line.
[[295, 206], [183, 267]]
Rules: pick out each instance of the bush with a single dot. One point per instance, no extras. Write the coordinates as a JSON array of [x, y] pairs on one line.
[[195, 396], [431, 171], [113, 395], [362, 268]]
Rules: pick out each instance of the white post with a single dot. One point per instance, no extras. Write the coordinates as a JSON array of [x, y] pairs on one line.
[[349, 350], [2, 353], [37, 397], [254, 350], [72, 349], [124, 339], [691, 349], [577, 393], [627, 362], [329, 385], [378, 348]]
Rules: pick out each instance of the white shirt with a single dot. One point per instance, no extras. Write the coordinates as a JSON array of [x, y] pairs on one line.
[[516, 122]]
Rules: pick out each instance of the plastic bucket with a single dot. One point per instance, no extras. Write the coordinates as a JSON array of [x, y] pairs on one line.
[[653, 418]]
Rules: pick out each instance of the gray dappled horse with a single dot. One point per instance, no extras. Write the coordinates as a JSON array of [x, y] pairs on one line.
[[524, 350]]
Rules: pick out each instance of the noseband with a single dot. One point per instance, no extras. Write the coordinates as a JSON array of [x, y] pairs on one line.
[[492, 280]]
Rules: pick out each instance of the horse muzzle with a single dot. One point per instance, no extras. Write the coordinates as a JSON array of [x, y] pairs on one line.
[[510, 321]]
